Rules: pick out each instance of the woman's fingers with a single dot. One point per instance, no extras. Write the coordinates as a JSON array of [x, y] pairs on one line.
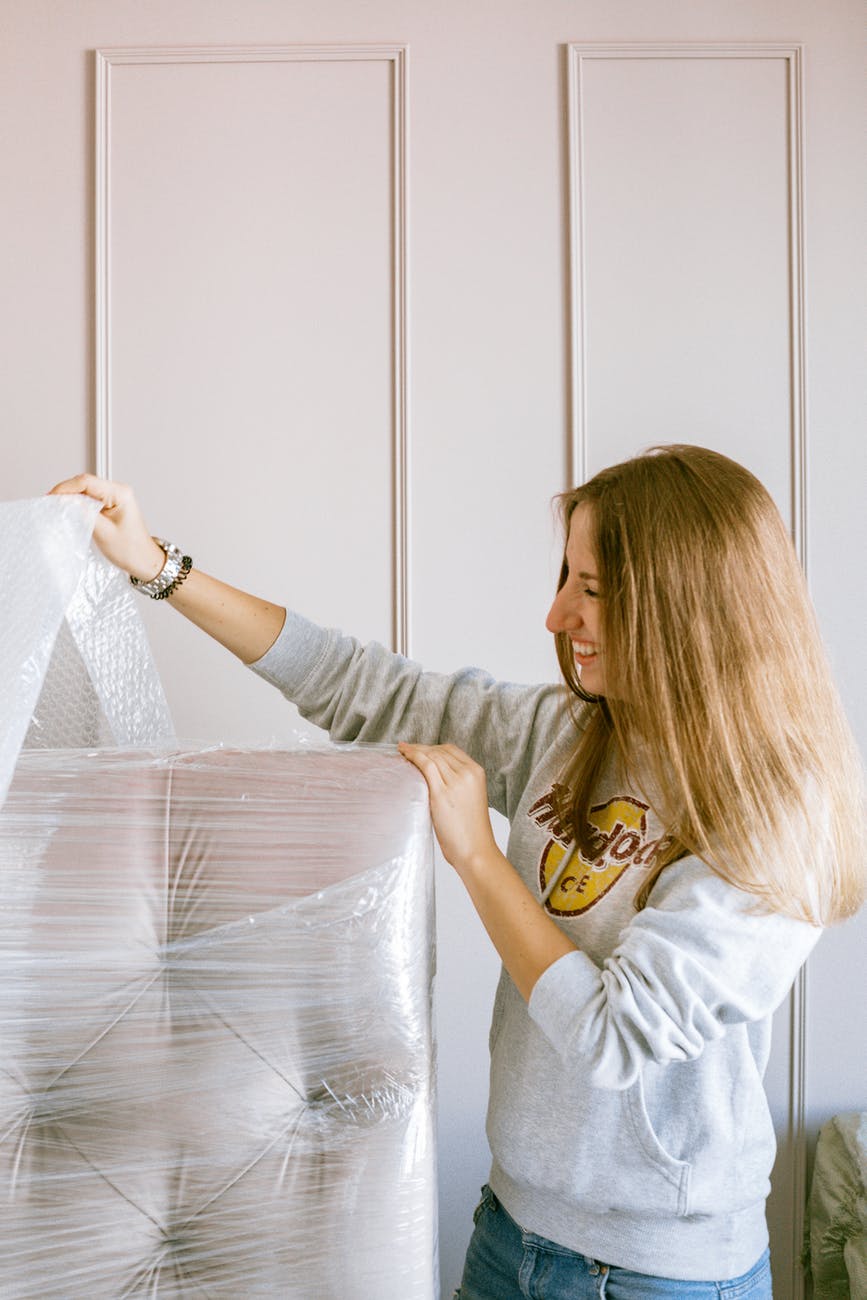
[[448, 755], [444, 759], [69, 485], [423, 757], [120, 531], [458, 800], [101, 489]]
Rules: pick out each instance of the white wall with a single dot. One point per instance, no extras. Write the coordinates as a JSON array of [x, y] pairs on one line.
[[251, 375]]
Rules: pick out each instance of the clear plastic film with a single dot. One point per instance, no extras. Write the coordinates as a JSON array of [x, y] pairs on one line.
[[216, 966], [75, 667]]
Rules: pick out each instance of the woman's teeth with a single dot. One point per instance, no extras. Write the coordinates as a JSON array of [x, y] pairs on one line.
[[583, 648]]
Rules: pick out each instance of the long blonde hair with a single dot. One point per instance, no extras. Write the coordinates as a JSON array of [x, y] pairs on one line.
[[717, 684]]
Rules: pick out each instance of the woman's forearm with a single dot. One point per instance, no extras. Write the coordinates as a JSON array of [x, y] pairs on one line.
[[527, 939], [244, 624]]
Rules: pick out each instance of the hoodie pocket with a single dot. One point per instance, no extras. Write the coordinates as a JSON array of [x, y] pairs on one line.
[[677, 1172], [553, 1133]]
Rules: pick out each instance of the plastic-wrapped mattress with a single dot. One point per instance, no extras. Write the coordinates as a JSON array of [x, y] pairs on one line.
[[215, 981], [216, 1053]]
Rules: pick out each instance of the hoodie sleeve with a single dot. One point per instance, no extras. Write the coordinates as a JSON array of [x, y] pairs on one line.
[[367, 693], [698, 958]]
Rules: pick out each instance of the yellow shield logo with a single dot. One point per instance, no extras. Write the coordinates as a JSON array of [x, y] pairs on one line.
[[620, 840]]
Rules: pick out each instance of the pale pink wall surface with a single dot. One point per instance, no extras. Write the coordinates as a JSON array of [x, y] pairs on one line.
[[278, 474]]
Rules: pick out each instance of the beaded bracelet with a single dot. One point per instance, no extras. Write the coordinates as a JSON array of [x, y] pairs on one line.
[[170, 576]]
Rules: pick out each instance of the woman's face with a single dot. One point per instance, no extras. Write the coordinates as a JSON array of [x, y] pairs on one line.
[[577, 606]]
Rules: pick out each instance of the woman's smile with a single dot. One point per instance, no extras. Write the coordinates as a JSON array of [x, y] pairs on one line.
[[584, 650], [577, 606]]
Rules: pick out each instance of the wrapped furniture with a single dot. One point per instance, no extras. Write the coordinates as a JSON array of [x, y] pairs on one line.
[[215, 977], [216, 1060]]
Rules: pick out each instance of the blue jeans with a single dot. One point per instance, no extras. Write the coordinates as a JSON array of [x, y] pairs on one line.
[[506, 1263]]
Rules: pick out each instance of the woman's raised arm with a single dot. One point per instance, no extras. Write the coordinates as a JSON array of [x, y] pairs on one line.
[[244, 624]]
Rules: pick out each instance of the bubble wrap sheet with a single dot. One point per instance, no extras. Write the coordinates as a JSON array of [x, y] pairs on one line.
[[216, 967], [75, 667]]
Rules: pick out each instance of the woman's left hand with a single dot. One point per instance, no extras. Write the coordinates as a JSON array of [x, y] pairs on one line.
[[458, 802], [527, 939]]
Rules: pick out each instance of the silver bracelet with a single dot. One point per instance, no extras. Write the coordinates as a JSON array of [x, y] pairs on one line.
[[170, 576]]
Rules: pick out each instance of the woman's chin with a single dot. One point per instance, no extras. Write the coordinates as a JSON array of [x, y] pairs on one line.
[[592, 679]]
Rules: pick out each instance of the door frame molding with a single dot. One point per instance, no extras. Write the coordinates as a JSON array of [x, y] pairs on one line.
[[579, 53], [397, 56]]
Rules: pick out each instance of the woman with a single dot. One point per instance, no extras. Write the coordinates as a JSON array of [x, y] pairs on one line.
[[678, 838]]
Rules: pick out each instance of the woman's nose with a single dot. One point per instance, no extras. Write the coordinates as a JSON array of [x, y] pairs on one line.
[[555, 622]]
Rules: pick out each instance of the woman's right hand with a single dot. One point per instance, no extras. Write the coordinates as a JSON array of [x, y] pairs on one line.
[[120, 531], [244, 624]]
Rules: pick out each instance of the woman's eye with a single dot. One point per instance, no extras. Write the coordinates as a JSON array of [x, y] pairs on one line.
[[588, 592]]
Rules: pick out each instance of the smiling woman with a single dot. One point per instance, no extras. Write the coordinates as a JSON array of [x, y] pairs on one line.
[[715, 672], [685, 815], [575, 612]]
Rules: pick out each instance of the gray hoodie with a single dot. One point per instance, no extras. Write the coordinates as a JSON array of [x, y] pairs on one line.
[[627, 1117]]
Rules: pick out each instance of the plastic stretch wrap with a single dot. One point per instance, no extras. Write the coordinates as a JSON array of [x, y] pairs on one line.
[[216, 1053], [75, 667]]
